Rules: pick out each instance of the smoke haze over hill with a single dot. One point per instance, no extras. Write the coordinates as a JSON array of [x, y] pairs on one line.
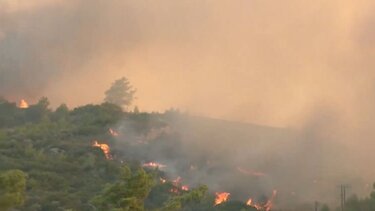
[[302, 64]]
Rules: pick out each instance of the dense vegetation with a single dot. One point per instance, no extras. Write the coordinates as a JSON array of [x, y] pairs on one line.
[[48, 162], [57, 168]]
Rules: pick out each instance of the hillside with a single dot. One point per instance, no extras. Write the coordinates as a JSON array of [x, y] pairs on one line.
[[69, 167], [98, 157]]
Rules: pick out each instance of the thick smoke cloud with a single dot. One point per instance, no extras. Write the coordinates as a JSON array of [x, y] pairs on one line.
[[272, 63], [267, 62]]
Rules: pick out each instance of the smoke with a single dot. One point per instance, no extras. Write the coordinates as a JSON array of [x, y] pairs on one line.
[[265, 62], [247, 160], [301, 64]]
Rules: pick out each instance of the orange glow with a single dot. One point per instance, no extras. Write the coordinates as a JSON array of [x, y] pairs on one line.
[[105, 148], [154, 165], [185, 188], [23, 104], [163, 180], [267, 206], [177, 187], [174, 190], [221, 197], [249, 202], [113, 132]]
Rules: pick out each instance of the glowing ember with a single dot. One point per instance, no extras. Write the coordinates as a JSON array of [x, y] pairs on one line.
[[174, 190], [154, 165], [177, 187], [163, 180], [105, 148], [221, 197], [23, 104], [113, 132], [249, 202], [185, 188], [251, 173]]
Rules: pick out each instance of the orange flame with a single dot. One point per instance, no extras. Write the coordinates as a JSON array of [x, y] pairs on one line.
[[221, 197], [256, 206], [113, 132], [154, 165], [266, 207], [23, 104], [177, 187], [105, 148]]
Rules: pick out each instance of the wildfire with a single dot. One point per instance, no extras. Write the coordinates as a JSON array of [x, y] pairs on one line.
[[113, 132], [177, 186], [105, 148], [23, 104], [154, 165], [185, 187], [249, 202], [174, 190], [163, 180], [267, 206], [221, 197], [177, 181], [256, 206]]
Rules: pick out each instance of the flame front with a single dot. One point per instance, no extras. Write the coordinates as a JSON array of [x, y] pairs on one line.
[[105, 148], [23, 104], [221, 197]]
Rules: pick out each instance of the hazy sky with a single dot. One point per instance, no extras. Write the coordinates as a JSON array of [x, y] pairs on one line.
[[268, 62]]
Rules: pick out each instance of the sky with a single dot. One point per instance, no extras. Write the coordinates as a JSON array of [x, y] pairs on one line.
[[272, 63]]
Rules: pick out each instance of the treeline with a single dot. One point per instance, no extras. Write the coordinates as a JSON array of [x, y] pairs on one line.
[[48, 163]]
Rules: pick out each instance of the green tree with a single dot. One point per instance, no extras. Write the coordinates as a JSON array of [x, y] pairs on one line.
[[120, 93], [186, 200], [61, 113], [39, 111], [127, 194], [12, 189]]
